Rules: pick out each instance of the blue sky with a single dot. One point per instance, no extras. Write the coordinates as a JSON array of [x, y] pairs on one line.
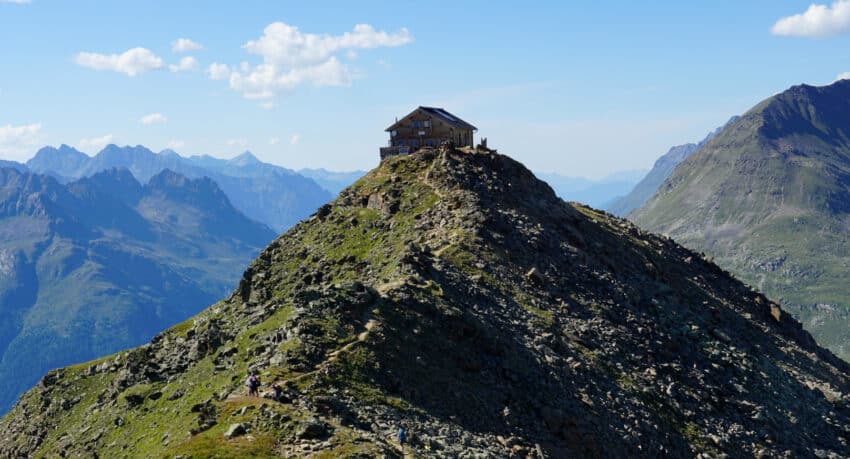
[[578, 88]]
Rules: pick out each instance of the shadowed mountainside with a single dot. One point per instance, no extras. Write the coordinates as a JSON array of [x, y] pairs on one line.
[[769, 199]]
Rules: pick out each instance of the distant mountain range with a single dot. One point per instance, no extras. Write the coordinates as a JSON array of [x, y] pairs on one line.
[[595, 193], [769, 198], [92, 261], [264, 192], [103, 263], [12, 164], [662, 169], [332, 181]]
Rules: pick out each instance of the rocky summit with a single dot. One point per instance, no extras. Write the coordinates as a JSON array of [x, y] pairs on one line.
[[452, 293]]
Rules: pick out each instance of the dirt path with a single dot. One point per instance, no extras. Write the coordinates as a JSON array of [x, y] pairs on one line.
[[370, 324], [332, 356]]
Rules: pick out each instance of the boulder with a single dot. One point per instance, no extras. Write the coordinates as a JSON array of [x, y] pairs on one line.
[[236, 430], [311, 429]]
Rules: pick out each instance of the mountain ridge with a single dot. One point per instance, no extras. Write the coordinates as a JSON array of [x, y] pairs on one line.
[[264, 192], [661, 169], [333, 181], [768, 199], [594, 193], [452, 292]]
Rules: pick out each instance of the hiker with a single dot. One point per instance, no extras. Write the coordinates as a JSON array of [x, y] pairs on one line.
[[402, 436], [253, 384], [278, 391], [249, 382]]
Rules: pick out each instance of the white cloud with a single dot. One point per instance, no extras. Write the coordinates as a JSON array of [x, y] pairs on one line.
[[294, 139], [17, 142], [153, 118], [176, 144], [817, 21], [131, 62], [218, 71], [95, 144], [267, 105], [18, 2], [274, 141], [285, 44], [12, 134], [265, 81], [184, 45], [241, 142], [843, 76], [291, 58], [187, 63]]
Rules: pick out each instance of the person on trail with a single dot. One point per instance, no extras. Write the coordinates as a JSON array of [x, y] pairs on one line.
[[402, 437], [278, 391], [248, 382], [253, 384]]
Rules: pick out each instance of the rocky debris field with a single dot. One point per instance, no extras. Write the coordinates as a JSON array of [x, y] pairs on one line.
[[451, 292]]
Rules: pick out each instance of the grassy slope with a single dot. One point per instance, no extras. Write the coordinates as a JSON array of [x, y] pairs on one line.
[[159, 427]]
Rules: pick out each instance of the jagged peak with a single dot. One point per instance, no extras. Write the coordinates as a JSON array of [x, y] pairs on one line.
[[126, 149], [113, 175], [116, 183], [169, 152], [63, 149], [67, 148], [178, 186], [245, 159], [169, 178]]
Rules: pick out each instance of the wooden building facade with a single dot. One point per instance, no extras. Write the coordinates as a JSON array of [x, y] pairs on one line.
[[427, 127]]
